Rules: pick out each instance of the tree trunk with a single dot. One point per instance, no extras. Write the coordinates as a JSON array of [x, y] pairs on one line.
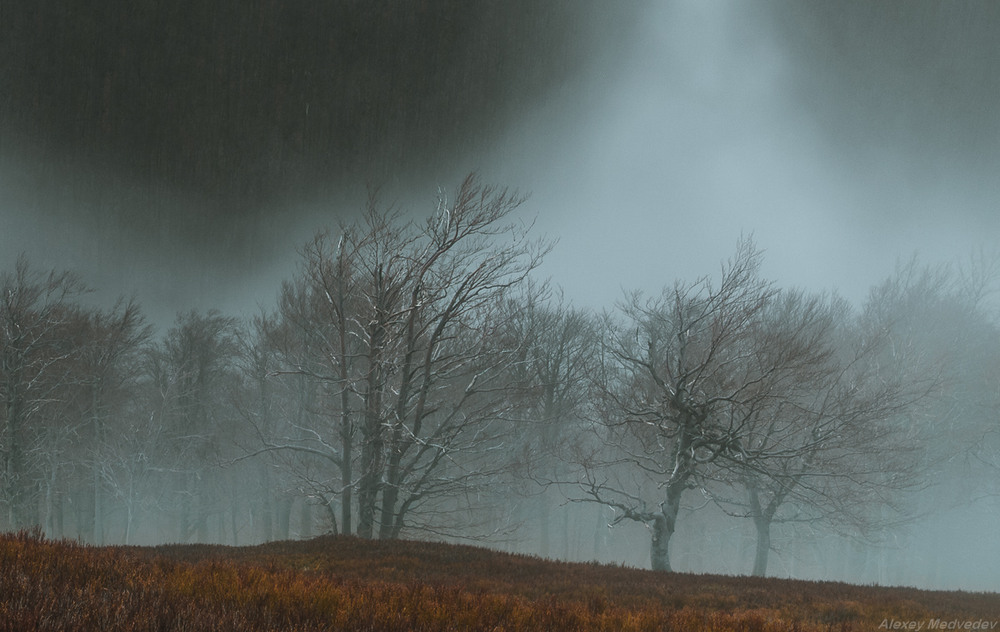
[[346, 473], [544, 517], [763, 516], [368, 488], [659, 550], [184, 518], [58, 521], [234, 522], [129, 512], [665, 521], [305, 520], [346, 426], [371, 452], [390, 497], [96, 464], [13, 466], [394, 474], [284, 517], [763, 525], [201, 516], [98, 504], [600, 534], [50, 502], [567, 537], [266, 507]]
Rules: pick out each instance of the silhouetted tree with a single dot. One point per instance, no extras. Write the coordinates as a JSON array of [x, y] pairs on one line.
[[403, 325], [688, 380], [37, 311]]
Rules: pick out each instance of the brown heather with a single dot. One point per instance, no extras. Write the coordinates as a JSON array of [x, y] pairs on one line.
[[343, 583]]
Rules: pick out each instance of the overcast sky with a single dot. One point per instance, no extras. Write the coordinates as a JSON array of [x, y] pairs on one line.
[[182, 153]]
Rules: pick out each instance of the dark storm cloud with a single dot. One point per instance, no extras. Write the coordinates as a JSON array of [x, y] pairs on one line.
[[186, 135], [244, 102], [202, 141]]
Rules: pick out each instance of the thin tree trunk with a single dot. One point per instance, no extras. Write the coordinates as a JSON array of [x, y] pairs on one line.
[[96, 465], [50, 501], [371, 451], [544, 515], [266, 506], [567, 537], [12, 464], [284, 517], [129, 512], [98, 506], [234, 517], [763, 525], [305, 520], [346, 426]]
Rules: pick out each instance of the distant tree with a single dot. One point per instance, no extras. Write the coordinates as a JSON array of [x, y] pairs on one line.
[[37, 312], [560, 349], [284, 414], [828, 446], [938, 322], [191, 373], [109, 367]]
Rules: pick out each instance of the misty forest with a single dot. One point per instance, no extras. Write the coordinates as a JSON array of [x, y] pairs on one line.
[[486, 273]]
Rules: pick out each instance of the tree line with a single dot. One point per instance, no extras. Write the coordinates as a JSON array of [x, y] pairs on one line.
[[413, 379]]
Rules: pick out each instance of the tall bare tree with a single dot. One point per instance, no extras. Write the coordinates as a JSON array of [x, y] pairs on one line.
[[683, 374], [405, 325], [36, 313]]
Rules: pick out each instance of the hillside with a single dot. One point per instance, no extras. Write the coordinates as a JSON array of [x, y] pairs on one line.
[[343, 583]]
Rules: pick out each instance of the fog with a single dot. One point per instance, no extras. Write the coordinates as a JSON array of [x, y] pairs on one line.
[[722, 119], [183, 156]]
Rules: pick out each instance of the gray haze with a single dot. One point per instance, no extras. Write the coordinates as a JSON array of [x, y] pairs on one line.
[[843, 136], [828, 137]]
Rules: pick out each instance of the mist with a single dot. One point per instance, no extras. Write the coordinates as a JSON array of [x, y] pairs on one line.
[[186, 156]]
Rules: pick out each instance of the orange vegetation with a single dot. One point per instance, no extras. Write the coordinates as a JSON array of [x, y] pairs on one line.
[[343, 583]]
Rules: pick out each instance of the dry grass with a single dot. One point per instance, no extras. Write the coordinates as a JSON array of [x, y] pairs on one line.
[[342, 583]]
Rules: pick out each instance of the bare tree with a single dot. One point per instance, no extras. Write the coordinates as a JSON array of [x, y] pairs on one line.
[[191, 372], [559, 352], [829, 446], [289, 421], [939, 321], [109, 366], [36, 311], [405, 331], [707, 379]]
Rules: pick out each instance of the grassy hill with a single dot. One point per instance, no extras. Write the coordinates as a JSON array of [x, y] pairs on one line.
[[343, 583]]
